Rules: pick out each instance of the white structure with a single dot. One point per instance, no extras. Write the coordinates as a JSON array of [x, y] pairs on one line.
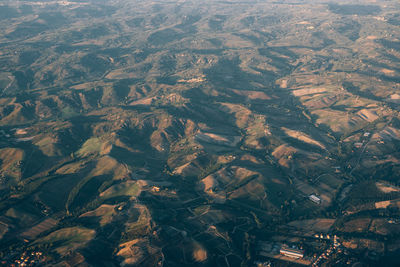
[[315, 199], [292, 252]]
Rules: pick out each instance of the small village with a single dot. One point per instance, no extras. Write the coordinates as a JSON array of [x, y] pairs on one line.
[[26, 259], [311, 251]]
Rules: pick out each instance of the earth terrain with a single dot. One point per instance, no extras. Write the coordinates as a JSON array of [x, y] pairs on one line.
[[184, 133]]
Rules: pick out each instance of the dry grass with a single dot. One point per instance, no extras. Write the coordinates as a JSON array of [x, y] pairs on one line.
[[308, 91], [387, 188], [253, 94], [9, 158], [314, 225], [357, 225], [36, 230], [382, 204], [128, 188], [91, 146], [68, 239], [105, 212], [48, 146], [199, 253], [388, 72], [302, 137], [283, 153]]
